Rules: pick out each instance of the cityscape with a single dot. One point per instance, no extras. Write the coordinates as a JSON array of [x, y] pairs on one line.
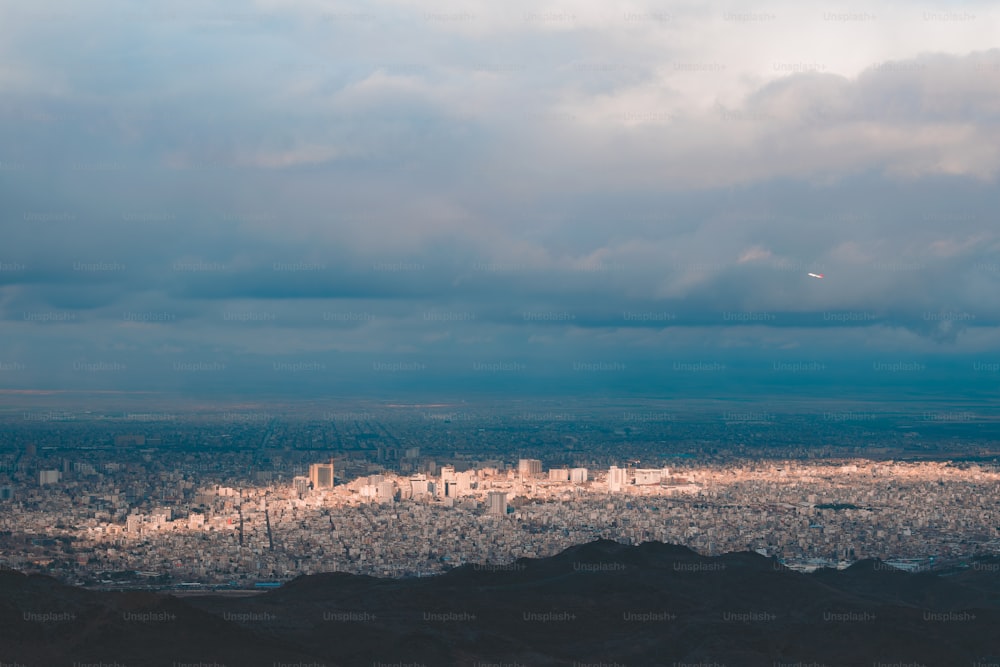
[[382, 333], [677, 514], [245, 499]]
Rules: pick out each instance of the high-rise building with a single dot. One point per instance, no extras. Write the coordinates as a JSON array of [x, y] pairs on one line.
[[646, 476], [529, 467], [498, 503], [48, 477], [419, 486], [578, 475], [301, 485], [617, 479], [559, 474], [321, 475], [83, 468], [385, 491], [463, 482]]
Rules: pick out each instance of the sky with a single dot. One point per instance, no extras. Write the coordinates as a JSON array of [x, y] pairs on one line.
[[305, 196]]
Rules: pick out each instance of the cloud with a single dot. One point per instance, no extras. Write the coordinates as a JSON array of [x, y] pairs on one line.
[[532, 182]]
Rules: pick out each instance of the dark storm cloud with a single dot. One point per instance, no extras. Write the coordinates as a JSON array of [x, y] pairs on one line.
[[270, 187]]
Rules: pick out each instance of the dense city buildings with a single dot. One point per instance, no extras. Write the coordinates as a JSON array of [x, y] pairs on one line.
[[243, 501]]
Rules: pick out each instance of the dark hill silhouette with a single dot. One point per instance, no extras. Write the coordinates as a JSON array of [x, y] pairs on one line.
[[597, 603]]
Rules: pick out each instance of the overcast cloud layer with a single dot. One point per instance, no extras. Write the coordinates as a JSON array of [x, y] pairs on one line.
[[316, 195]]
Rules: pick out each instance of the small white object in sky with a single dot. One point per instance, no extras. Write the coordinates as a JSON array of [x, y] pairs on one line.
[[816, 275]]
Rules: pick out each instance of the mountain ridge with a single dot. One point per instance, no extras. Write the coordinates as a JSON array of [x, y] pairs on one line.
[[600, 602]]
